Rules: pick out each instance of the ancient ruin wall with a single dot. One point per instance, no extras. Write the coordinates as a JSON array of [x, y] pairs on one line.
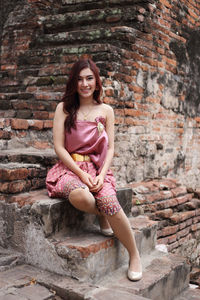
[[148, 54]]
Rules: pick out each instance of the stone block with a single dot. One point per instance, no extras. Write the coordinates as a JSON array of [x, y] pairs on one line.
[[124, 196], [160, 278]]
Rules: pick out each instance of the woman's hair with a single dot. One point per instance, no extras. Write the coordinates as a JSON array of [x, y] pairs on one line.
[[71, 97]]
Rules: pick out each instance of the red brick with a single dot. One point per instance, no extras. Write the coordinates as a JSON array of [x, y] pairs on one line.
[[184, 239], [5, 134], [8, 67], [197, 212], [40, 144], [172, 238], [196, 219], [164, 213], [18, 186], [36, 124], [13, 174], [109, 92], [195, 227], [184, 199], [48, 124], [85, 251], [4, 187], [166, 204], [19, 124], [169, 230], [40, 115], [113, 19], [163, 241], [172, 246], [183, 233], [182, 216]]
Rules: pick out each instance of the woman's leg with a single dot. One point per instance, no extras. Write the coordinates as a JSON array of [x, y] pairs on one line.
[[83, 200], [123, 231]]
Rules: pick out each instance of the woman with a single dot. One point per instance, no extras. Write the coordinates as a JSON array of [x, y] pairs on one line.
[[83, 134]]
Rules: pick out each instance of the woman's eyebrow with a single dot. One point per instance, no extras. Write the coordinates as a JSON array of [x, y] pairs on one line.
[[87, 76]]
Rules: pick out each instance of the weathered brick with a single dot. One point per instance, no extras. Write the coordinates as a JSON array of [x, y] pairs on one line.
[[36, 124], [13, 174], [18, 186], [19, 124], [182, 216], [178, 191], [166, 213], [195, 227], [169, 230], [172, 238], [183, 232], [166, 204]]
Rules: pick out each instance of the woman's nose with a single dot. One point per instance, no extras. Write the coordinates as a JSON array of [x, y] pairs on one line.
[[84, 82]]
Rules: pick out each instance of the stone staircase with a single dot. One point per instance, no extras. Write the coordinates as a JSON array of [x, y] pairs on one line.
[[79, 262]]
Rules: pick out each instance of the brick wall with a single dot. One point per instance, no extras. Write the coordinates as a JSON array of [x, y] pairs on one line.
[[149, 60], [177, 211]]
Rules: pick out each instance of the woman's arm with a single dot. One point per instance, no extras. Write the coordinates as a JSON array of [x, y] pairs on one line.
[[59, 146], [110, 121]]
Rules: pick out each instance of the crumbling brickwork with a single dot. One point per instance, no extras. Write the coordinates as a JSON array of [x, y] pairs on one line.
[[177, 211], [148, 55]]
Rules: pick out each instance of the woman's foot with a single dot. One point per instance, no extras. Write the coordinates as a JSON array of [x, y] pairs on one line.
[[135, 268], [105, 226]]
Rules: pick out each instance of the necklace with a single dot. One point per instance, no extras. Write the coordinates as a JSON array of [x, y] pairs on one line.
[[85, 115]]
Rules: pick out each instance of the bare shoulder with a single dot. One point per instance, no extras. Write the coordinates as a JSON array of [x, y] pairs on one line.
[[60, 115], [60, 110], [107, 109], [59, 107]]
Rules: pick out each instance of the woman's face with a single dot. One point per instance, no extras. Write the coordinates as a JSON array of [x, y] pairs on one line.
[[86, 83]]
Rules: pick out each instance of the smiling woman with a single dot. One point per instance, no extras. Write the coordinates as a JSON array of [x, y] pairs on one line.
[[83, 133]]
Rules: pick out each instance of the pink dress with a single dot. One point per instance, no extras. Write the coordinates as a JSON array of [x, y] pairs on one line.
[[88, 138]]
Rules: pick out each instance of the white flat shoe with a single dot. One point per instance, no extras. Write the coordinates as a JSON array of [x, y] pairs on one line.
[[107, 232], [134, 276]]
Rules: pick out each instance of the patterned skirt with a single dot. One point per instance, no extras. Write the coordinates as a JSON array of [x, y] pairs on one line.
[[61, 182]]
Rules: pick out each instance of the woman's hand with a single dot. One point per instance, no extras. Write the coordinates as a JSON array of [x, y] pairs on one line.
[[97, 183], [87, 179]]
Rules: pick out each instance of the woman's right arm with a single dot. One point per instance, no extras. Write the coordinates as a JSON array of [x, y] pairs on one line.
[[59, 146]]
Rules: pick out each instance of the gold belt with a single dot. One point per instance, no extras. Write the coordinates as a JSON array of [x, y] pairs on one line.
[[80, 157]]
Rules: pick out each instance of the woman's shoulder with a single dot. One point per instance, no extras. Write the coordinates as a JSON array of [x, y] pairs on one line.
[[107, 108], [60, 108]]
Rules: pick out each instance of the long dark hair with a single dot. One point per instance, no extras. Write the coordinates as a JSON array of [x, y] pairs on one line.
[[71, 97]]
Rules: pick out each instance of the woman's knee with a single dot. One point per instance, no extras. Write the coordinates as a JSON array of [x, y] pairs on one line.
[[80, 198]]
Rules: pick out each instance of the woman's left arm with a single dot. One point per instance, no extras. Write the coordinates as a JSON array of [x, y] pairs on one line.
[[110, 122]]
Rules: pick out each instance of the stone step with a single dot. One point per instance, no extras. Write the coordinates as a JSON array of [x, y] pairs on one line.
[[104, 16], [58, 215], [33, 283], [46, 157], [189, 294], [113, 35], [82, 5], [164, 277], [49, 215], [81, 255], [59, 238]]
